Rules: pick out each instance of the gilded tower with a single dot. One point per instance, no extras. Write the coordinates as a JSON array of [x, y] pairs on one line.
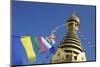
[[70, 49]]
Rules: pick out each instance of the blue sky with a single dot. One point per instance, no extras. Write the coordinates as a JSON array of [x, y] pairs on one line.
[[34, 18]]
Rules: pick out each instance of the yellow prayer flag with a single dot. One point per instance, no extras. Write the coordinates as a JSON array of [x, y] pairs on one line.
[[26, 42]]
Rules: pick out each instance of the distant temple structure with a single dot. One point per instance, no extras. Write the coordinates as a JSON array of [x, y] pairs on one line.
[[70, 49]]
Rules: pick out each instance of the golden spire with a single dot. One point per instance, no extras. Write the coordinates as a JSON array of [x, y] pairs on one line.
[[70, 48], [74, 18], [74, 13]]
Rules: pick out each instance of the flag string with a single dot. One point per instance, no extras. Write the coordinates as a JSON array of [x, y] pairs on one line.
[[57, 27], [90, 44]]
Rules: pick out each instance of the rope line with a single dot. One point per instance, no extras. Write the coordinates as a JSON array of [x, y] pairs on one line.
[[86, 39], [57, 27]]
